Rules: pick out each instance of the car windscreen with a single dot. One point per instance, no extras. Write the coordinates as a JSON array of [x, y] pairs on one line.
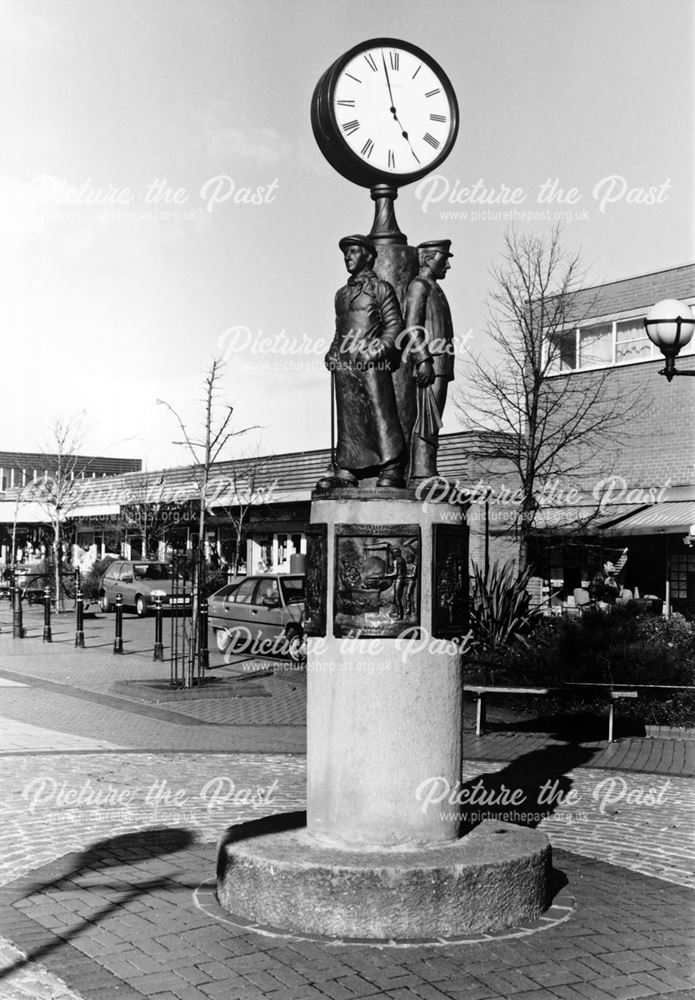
[[293, 589], [151, 571]]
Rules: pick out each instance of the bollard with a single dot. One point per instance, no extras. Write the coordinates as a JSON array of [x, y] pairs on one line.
[[79, 609], [158, 645], [118, 640], [17, 626], [47, 634], [203, 635]]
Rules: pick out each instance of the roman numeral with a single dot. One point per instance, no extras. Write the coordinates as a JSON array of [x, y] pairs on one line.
[[367, 148], [392, 159], [435, 143], [431, 93], [351, 127], [371, 61], [394, 59], [350, 104], [416, 72], [433, 118]]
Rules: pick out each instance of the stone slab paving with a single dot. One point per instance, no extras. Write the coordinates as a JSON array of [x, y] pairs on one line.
[[64, 804], [103, 847]]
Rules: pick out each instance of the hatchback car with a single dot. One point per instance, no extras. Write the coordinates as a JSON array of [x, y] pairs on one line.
[[262, 614], [140, 583]]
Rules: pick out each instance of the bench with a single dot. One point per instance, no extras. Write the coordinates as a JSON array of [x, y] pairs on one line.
[[481, 692], [614, 695]]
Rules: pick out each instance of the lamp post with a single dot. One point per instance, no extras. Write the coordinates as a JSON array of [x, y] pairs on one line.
[[670, 325]]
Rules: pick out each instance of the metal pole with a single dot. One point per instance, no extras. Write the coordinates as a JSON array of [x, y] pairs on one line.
[[204, 656], [158, 644], [118, 640], [17, 626], [47, 634], [333, 420], [79, 624]]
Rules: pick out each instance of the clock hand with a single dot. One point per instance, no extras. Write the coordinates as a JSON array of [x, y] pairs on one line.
[[388, 84], [407, 139], [392, 109]]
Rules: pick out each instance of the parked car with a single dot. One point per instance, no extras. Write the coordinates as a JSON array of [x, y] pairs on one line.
[[140, 583], [262, 614]]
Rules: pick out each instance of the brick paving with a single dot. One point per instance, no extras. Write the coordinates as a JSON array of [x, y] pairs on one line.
[[99, 892]]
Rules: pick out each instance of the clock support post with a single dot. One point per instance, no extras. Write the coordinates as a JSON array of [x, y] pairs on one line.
[[385, 230]]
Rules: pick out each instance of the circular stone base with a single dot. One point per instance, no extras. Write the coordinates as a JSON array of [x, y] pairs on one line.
[[497, 876]]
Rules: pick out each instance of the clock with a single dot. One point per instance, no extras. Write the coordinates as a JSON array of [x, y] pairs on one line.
[[384, 112]]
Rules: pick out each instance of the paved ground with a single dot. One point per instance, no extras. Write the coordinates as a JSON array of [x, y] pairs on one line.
[[112, 807]]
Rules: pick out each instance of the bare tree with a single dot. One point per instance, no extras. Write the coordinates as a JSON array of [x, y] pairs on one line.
[[147, 510], [243, 487], [205, 449], [545, 425], [59, 490]]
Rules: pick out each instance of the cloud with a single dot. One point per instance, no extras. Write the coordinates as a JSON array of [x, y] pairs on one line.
[[262, 146], [226, 138], [23, 28]]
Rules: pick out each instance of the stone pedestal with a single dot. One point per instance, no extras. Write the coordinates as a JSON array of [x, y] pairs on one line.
[[495, 877], [383, 714], [384, 717]]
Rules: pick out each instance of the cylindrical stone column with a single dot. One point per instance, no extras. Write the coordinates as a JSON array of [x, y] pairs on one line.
[[384, 714]]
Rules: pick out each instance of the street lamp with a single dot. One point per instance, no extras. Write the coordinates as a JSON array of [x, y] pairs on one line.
[[670, 325]]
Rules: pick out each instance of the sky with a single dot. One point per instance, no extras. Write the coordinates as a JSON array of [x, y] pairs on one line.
[[164, 202]]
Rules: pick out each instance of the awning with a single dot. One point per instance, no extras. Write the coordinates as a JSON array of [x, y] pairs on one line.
[[25, 512], [95, 510], [670, 518], [582, 519]]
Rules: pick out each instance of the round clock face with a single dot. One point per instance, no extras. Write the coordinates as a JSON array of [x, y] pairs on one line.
[[385, 111]]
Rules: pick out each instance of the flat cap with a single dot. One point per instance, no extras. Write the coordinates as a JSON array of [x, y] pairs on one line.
[[356, 240], [441, 246]]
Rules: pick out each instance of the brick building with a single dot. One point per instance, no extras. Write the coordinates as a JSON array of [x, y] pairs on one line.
[[17, 468], [642, 495], [274, 492]]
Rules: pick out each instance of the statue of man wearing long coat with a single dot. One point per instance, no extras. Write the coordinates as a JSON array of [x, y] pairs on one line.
[[363, 355]]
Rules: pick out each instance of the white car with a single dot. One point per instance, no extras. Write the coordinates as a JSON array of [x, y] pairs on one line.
[[261, 615]]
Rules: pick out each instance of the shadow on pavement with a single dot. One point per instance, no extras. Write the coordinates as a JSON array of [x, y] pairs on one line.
[[114, 852], [526, 791], [579, 726], [277, 823]]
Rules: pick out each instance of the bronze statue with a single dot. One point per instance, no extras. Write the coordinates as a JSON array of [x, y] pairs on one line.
[[362, 357], [428, 329]]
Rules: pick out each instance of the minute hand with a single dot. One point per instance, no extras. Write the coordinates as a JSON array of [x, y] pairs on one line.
[[392, 109], [388, 84]]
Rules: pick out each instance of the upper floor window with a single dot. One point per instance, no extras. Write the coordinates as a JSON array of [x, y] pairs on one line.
[[598, 345]]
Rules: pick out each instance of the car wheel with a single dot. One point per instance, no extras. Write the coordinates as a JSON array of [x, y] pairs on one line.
[[105, 604], [222, 638], [140, 606], [296, 645]]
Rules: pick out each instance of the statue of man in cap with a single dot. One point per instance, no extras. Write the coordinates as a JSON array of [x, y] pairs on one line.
[[429, 331], [362, 357]]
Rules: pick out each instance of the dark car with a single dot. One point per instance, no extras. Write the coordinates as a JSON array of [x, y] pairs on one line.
[[140, 583], [262, 614]]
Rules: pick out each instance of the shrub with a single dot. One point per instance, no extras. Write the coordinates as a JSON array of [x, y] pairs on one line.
[[620, 646], [91, 581], [501, 605]]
